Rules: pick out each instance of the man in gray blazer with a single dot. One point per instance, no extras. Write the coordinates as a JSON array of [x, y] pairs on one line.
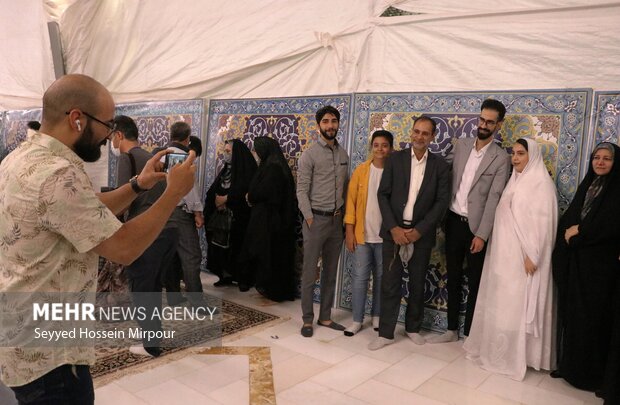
[[413, 195], [480, 170]]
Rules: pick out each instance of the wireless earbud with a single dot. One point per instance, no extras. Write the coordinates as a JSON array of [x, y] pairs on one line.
[[79, 126]]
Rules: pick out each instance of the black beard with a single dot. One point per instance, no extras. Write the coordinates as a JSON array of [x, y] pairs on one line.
[[327, 136], [84, 147], [482, 136]]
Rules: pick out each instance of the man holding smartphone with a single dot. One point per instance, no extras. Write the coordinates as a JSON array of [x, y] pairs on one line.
[[64, 226]]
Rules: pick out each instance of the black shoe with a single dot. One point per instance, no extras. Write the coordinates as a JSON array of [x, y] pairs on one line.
[[244, 287], [555, 374], [306, 331], [223, 282], [177, 301]]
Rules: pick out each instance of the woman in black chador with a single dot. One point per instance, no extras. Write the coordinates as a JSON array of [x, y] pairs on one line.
[[269, 247], [228, 191], [586, 271]]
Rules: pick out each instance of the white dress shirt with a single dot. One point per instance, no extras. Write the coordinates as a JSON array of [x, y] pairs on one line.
[[459, 202], [415, 181]]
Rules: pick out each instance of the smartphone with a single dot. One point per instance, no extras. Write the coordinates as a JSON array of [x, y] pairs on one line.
[[173, 159]]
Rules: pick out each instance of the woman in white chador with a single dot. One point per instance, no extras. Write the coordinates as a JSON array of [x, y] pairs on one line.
[[513, 320]]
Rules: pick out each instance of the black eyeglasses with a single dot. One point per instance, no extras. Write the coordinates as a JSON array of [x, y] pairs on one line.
[[111, 125], [488, 123]]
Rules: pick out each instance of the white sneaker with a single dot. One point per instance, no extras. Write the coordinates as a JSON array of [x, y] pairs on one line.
[[416, 338], [447, 336], [140, 351], [379, 342], [353, 329], [375, 323]]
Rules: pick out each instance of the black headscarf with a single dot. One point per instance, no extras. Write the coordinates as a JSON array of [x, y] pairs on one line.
[[243, 168], [236, 177], [269, 152]]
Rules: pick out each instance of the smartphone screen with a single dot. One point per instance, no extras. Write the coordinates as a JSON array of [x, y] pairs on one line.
[[173, 159]]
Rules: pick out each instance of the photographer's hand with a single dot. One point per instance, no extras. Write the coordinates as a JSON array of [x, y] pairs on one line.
[[181, 176], [152, 172]]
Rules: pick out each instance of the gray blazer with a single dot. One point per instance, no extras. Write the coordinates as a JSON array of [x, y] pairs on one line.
[[431, 204], [487, 186]]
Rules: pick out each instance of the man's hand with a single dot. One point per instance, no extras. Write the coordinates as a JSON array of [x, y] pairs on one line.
[[412, 235], [570, 232], [400, 235], [530, 267], [350, 242], [181, 176], [309, 221], [220, 201], [152, 172], [477, 244], [199, 219]]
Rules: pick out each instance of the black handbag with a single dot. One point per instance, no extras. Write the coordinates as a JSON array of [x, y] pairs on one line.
[[218, 228]]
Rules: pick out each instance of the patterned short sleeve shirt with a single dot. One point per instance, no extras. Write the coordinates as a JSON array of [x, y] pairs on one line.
[[50, 220]]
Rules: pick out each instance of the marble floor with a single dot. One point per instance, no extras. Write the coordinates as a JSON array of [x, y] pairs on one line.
[[329, 368]]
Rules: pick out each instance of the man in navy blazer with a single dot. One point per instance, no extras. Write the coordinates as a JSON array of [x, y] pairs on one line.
[[480, 170], [413, 195]]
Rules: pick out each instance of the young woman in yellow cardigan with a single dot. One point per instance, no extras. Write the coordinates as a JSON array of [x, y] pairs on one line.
[[363, 222]]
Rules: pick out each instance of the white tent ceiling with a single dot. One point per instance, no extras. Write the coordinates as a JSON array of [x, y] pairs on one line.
[[159, 49]]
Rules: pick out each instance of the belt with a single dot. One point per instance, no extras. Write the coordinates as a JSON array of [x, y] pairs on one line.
[[460, 217], [327, 213], [407, 224]]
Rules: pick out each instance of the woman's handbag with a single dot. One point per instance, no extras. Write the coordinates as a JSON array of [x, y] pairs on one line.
[[218, 228]]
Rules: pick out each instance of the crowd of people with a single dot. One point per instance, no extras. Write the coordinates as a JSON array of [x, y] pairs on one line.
[[503, 223]]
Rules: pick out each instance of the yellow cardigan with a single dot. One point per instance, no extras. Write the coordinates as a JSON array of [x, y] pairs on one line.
[[355, 213]]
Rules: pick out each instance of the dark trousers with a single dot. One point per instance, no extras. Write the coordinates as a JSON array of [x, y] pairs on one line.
[[66, 385], [458, 242], [145, 280], [188, 249], [391, 289]]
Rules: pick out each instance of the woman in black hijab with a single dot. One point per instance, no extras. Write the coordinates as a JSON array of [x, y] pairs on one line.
[[228, 191], [586, 271], [269, 246]]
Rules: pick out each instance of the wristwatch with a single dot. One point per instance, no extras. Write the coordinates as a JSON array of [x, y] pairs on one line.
[[134, 185]]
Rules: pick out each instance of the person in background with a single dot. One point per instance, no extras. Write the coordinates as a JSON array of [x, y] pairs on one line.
[[228, 192], [586, 271], [34, 125], [321, 183], [268, 253], [187, 218], [171, 279], [513, 321], [146, 272], [363, 224]]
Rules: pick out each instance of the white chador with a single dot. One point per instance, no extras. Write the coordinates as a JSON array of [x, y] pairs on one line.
[[513, 321]]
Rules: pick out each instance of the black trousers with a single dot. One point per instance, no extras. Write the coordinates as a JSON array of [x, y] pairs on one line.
[[391, 289], [145, 276], [458, 242], [67, 384]]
